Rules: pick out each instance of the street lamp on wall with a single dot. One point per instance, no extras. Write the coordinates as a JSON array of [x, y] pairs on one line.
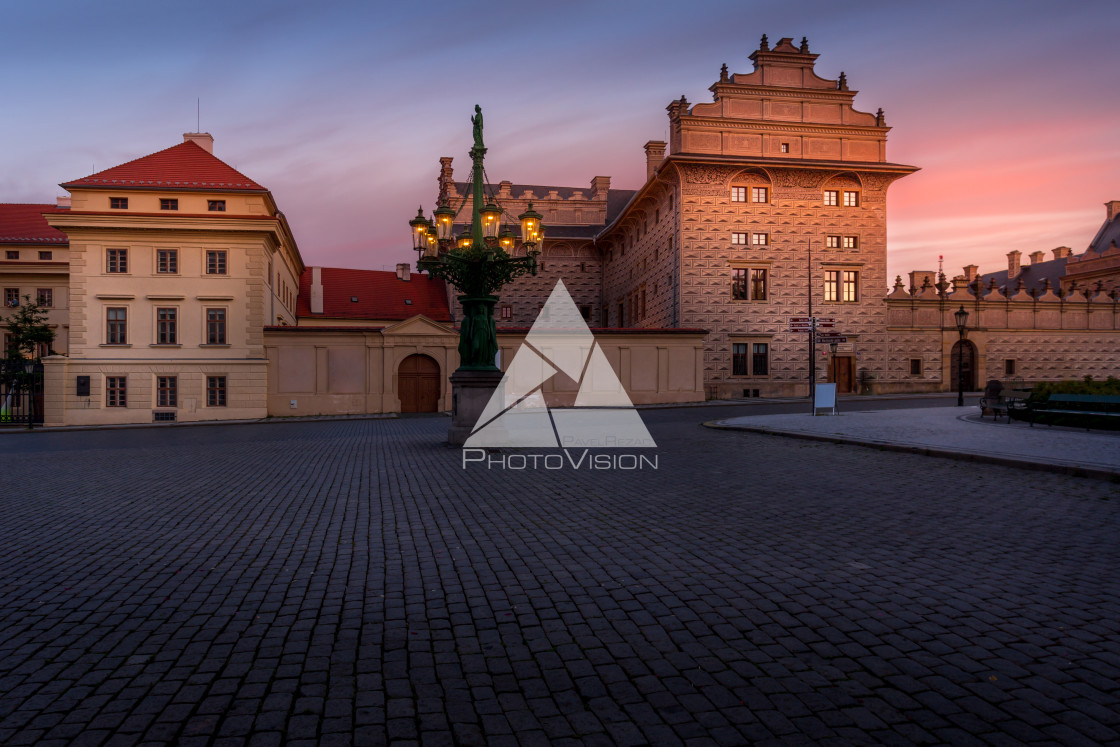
[[961, 317]]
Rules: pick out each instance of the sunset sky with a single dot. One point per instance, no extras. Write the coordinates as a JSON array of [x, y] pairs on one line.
[[343, 109]]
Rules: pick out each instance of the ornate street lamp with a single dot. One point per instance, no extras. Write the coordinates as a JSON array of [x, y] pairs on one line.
[[477, 264], [961, 317]]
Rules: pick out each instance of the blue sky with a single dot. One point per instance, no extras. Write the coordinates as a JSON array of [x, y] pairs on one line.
[[343, 109]]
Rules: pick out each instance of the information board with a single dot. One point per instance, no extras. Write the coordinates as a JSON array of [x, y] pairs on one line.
[[826, 398]]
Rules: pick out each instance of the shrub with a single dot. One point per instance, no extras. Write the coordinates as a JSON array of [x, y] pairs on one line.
[[1043, 390]]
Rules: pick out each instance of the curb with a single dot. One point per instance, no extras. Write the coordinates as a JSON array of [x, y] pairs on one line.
[[1068, 469]]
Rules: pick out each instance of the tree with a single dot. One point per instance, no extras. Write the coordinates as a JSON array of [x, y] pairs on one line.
[[27, 330]]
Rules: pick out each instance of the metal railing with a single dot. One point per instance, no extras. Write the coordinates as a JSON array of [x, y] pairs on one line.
[[21, 393]]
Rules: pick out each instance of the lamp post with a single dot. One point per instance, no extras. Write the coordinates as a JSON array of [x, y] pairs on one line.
[[477, 263], [961, 317]]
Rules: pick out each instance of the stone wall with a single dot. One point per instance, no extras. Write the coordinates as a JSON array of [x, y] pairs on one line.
[[1021, 338]]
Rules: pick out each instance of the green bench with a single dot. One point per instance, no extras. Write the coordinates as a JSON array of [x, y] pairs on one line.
[[1080, 408]]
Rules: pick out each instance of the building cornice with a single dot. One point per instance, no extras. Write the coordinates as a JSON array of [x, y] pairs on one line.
[[713, 123]]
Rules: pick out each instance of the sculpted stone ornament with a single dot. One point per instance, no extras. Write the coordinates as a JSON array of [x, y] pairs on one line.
[[476, 120]]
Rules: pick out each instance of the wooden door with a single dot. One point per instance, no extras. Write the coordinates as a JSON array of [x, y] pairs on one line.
[[842, 369], [418, 384]]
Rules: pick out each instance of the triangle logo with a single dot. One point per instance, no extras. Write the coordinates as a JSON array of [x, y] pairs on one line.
[[560, 341]]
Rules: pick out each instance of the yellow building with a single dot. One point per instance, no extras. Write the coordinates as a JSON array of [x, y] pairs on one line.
[[177, 262]]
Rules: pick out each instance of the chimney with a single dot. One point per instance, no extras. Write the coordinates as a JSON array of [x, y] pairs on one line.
[[655, 154], [1037, 257], [316, 290], [1112, 209], [970, 272], [599, 186], [1062, 252], [403, 271], [1013, 263], [203, 140], [446, 177]]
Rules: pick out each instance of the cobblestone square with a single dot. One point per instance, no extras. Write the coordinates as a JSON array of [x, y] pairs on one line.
[[348, 582]]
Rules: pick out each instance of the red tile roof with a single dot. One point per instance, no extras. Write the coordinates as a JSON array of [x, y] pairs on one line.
[[381, 295], [183, 166], [25, 224]]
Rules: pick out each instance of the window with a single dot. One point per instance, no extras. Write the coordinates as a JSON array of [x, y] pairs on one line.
[[831, 242], [12, 254], [116, 391], [1009, 367], [831, 197], [759, 194], [851, 285], [832, 285], [748, 284], [750, 359], [785, 148], [168, 203], [216, 206], [215, 326], [116, 326], [739, 359], [758, 284], [507, 311], [116, 260], [11, 297], [167, 390], [216, 262], [167, 332], [738, 194], [44, 297], [118, 203], [46, 255], [760, 239], [851, 242], [851, 199], [215, 391], [915, 366], [585, 312], [739, 238], [167, 261], [760, 358], [841, 285]]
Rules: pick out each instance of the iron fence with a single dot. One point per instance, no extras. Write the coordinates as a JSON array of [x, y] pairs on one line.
[[21, 393]]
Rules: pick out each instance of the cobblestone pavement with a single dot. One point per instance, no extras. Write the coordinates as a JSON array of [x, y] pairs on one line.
[[348, 582]]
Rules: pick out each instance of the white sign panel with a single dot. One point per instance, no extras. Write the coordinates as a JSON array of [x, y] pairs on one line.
[[826, 398]]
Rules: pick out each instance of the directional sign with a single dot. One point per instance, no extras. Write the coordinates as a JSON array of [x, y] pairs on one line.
[[824, 319], [823, 322], [800, 319], [829, 339], [800, 328]]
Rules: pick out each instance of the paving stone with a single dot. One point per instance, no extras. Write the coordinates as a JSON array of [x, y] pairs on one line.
[[334, 581]]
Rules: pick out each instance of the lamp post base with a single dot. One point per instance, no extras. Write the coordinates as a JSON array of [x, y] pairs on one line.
[[470, 393]]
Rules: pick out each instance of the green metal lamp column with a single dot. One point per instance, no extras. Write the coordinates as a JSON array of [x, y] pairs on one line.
[[478, 271]]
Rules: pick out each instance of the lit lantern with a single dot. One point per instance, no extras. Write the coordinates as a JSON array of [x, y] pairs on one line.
[[419, 230], [539, 244], [431, 241], [506, 240], [464, 241], [444, 218], [491, 220], [530, 225]]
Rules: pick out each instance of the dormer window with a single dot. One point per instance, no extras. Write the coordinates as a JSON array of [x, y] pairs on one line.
[[118, 203], [216, 206], [168, 203]]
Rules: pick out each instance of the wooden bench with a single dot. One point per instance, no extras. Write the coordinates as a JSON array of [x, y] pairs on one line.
[[1082, 408], [1005, 403]]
